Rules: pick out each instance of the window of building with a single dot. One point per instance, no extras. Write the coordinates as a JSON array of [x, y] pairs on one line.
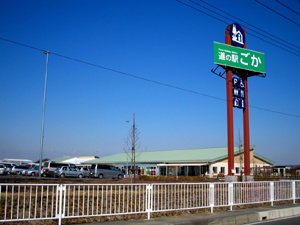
[[163, 171], [215, 169], [223, 170], [237, 169]]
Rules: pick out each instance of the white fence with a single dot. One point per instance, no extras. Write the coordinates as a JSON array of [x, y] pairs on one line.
[[21, 202]]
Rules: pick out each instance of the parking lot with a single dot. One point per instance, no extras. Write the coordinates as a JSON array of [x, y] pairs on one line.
[[53, 171]]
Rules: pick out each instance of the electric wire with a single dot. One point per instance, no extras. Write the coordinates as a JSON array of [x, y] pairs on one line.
[[249, 24], [141, 78], [288, 7], [253, 31], [113, 70], [248, 28], [277, 12]]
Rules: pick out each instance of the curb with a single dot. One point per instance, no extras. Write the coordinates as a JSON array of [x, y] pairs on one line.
[[276, 214], [235, 217]]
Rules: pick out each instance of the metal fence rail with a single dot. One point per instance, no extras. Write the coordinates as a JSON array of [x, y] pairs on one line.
[[221, 194], [103, 200], [297, 189], [20, 202], [283, 190], [23, 202], [251, 192], [179, 196]]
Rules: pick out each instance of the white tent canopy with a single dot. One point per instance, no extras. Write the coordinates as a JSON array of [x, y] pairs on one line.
[[18, 161]]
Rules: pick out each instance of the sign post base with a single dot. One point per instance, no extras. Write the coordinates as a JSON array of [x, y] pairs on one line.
[[229, 178], [248, 178]]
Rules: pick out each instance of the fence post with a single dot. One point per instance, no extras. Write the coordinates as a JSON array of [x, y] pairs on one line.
[[294, 191], [211, 197], [60, 204], [149, 204], [230, 195], [271, 192]]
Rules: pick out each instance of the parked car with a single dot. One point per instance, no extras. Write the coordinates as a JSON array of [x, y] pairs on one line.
[[8, 166], [18, 169], [85, 170], [3, 169], [106, 171], [33, 171], [66, 171], [50, 167]]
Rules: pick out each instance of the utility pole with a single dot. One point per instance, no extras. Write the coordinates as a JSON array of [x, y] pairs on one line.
[[43, 118]]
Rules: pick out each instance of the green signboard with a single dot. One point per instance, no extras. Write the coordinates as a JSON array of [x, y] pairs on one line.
[[240, 58]]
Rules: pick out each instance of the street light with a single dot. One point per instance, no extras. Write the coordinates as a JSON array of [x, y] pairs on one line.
[[43, 118]]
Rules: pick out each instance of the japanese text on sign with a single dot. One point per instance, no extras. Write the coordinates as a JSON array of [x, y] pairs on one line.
[[245, 59]]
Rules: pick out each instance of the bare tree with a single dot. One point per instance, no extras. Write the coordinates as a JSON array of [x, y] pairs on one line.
[[132, 144], [239, 143]]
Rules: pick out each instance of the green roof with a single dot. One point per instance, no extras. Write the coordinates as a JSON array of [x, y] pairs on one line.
[[264, 159], [61, 159], [203, 155]]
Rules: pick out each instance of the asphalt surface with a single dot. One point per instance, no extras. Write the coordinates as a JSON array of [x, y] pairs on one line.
[[241, 216]]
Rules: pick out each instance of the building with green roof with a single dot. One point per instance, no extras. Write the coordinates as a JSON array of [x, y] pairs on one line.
[[193, 162]]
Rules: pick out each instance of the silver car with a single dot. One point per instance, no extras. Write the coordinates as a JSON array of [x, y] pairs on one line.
[[66, 171], [8, 166], [85, 170], [18, 169], [33, 171], [3, 169]]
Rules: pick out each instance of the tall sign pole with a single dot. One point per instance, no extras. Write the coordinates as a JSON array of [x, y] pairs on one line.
[[230, 137], [246, 123], [236, 59]]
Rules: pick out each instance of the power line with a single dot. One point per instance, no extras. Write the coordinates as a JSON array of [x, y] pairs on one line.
[[248, 23], [113, 70], [140, 78], [288, 7], [287, 50], [277, 12]]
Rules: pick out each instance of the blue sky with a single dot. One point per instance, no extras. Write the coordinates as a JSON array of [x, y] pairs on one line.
[[159, 40]]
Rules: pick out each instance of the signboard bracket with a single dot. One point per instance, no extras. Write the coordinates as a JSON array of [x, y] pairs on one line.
[[218, 74], [237, 72], [262, 75]]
